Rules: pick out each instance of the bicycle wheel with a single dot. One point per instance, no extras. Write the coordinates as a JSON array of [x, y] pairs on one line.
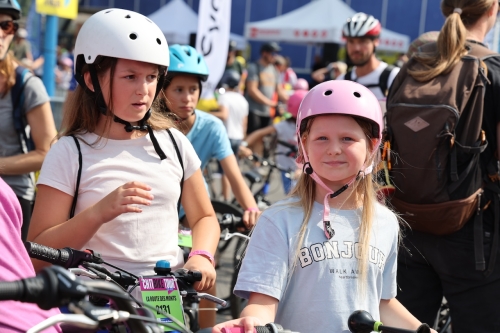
[[220, 209], [237, 304]]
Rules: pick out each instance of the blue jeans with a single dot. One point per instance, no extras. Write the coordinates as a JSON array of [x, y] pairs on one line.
[[287, 182]]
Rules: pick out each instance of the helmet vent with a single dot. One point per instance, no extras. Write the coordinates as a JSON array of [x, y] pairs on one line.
[[109, 11], [357, 94], [158, 41], [199, 60], [328, 92], [128, 16], [90, 57], [133, 36], [149, 20]]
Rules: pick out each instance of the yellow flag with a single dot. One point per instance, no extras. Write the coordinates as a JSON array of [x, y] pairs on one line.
[[61, 8]]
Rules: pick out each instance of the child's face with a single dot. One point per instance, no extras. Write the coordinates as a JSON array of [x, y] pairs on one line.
[[182, 95], [337, 148], [134, 88]]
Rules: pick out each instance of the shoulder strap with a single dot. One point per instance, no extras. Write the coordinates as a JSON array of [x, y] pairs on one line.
[[384, 79], [182, 166], [75, 197], [348, 75], [18, 112]]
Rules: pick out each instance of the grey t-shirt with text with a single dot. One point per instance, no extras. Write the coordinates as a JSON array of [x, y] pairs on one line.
[[267, 78], [34, 95], [322, 291]]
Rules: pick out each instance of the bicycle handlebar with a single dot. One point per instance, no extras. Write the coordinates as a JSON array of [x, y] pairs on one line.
[[269, 328], [362, 322], [55, 286], [66, 257]]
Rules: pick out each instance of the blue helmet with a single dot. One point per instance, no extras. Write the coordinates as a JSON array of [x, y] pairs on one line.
[[184, 59]]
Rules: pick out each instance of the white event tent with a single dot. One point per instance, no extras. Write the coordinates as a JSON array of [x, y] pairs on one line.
[[177, 21], [319, 21]]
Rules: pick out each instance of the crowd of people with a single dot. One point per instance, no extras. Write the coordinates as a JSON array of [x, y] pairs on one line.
[[125, 170]]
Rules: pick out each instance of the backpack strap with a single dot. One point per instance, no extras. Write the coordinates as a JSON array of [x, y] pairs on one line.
[[383, 80], [18, 111], [79, 176], [348, 76], [182, 166]]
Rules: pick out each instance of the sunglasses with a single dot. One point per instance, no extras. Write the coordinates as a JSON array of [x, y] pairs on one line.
[[9, 27]]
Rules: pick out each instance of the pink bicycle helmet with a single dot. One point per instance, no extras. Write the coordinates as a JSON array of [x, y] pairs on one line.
[[345, 98], [301, 84], [294, 102]]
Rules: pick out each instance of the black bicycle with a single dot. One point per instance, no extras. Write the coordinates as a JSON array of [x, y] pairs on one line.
[[90, 264]]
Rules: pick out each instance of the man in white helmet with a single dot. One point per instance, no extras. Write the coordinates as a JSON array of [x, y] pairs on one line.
[[362, 33]]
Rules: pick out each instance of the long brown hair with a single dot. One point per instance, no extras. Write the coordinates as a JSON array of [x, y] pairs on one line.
[[8, 71], [364, 190], [82, 114], [452, 37]]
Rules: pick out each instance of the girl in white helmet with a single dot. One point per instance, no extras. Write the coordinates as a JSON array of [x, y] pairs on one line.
[[331, 248], [121, 200]]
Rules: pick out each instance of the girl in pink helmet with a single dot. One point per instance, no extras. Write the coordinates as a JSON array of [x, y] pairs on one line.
[[287, 141], [330, 248]]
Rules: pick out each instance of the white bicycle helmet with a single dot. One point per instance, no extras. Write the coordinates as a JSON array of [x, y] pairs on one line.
[[122, 34], [362, 25]]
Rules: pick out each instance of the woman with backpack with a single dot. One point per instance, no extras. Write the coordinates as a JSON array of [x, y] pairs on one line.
[[23, 101], [113, 181], [439, 257]]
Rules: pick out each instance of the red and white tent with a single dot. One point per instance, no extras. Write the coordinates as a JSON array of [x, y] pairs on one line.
[[319, 21]]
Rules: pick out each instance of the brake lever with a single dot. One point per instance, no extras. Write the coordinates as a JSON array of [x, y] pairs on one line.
[[229, 235], [83, 272], [212, 298]]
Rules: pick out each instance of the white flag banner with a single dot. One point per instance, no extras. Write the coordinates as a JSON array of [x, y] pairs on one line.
[[212, 40]]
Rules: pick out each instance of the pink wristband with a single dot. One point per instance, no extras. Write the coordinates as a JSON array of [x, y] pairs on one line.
[[252, 209], [204, 253]]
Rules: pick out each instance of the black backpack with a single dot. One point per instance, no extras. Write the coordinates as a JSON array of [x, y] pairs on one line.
[[383, 81]]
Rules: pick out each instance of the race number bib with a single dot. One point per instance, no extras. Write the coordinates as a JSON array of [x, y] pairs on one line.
[[185, 238], [162, 293]]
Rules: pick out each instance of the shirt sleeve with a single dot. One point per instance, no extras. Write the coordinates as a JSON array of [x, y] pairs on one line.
[[189, 157], [253, 74], [222, 145], [222, 100], [60, 166], [35, 93], [265, 266]]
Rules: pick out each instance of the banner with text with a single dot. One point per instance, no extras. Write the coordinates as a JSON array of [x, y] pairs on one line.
[[212, 40], [61, 8]]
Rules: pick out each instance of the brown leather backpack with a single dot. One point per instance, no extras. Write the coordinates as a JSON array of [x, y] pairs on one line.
[[435, 133]]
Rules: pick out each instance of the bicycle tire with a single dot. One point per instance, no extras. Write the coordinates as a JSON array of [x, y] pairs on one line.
[[237, 304], [221, 208]]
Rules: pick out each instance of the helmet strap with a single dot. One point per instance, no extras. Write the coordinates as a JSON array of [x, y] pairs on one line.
[[143, 125]]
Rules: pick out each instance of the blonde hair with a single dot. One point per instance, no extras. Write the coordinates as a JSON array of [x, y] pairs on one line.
[[364, 189], [452, 37], [82, 114]]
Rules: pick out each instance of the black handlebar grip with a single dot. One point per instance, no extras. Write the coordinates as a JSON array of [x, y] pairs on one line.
[[11, 291], [48, 254]]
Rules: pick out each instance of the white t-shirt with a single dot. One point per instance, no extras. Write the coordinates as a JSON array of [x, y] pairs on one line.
[[286, 133], [373, 78], [132, 241], [322, 292], [238, 111]]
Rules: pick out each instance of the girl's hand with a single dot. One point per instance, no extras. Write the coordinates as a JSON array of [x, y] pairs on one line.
[[250, 217], [247, 322], [202, 264], [123, 200]]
